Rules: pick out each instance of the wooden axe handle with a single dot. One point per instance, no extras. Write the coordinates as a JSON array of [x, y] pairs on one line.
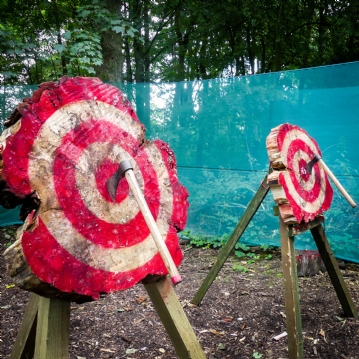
[[336, 182], [162, 248]]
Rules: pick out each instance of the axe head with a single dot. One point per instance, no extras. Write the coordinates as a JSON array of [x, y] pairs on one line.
[[113, 181], [310, 164]]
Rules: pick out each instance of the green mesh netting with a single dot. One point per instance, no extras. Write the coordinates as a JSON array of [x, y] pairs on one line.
[[218, 129]]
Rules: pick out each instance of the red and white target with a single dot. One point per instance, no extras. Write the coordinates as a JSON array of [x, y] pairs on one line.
[[309, 194], [69, 143]]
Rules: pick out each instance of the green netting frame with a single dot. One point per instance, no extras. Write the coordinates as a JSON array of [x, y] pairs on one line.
[[218, 128]]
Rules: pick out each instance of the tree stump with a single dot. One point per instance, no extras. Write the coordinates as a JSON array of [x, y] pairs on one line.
[[57, 152], [309, 263]]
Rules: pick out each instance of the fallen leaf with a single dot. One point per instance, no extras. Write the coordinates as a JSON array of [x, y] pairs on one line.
[[141, 299], [10, 286], [280, 336], [256, 355], [221, 346], [127, 340], [107, 350], [131, 351], [191, 305], [227, 319], [138, 321], [216, 332], [322, 333], [77, 308]]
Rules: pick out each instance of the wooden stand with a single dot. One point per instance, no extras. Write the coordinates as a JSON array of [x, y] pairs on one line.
[[291, 291], [44, 332], [233, 239]]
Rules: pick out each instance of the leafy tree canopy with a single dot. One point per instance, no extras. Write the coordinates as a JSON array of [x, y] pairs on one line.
[[147, 40]]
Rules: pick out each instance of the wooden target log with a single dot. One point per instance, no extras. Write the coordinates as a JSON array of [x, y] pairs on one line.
[[60, 147], [301, 194]]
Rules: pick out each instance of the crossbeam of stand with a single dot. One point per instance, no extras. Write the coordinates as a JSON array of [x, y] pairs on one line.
[[233, 239]]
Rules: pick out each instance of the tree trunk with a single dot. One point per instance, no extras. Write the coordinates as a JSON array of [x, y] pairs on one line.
[[111, 42], [146, 23], [276, 63], [264, 59], [129, 76], [59, 39], [183, 41], [249, 41], [202, 60], [321, 31]]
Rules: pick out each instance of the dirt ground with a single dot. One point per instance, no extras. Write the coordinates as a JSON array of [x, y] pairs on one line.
[[238, 318]]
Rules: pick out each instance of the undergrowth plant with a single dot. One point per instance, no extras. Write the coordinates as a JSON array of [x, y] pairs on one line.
[[241, 250]]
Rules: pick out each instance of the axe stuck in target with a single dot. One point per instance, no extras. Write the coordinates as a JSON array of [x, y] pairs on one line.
[[125, 169]]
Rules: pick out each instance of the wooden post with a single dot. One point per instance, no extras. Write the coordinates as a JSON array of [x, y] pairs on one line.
[[52, 333], [233, 239], [291, 293], [25, 341], [334, 272], [174, 319]]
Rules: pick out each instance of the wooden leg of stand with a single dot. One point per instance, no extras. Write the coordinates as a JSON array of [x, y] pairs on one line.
[[291, 294], [52, 333], [334, 272], [232, 241], [25, 341], [174, 319]]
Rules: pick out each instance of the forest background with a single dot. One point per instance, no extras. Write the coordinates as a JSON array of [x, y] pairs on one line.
[[174, 40]]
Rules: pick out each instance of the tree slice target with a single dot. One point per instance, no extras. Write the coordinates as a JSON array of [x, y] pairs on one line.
[[290, 149], [72, 137]]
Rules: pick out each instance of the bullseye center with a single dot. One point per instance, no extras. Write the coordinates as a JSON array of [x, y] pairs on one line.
[[103, 173], [303, 171]]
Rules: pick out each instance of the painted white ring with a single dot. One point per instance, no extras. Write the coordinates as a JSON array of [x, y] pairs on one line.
[[309, 207]]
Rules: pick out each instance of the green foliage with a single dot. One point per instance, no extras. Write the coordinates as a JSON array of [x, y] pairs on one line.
[[256, 355], [204, 241], [240, 268], [173, 40], [241, 251], [49, 39]]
